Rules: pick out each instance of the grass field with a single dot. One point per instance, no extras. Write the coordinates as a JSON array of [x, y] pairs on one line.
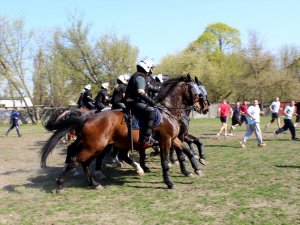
[[241, 186]]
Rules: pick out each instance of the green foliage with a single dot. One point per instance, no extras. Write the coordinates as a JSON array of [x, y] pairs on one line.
[[218, 37]]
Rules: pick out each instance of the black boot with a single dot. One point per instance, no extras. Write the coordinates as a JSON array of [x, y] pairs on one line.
[[146, 137]]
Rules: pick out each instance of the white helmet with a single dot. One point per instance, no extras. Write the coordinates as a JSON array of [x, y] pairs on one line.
[[159, 78], [105, 85], [88, 87], [147, 65], [123, 78]]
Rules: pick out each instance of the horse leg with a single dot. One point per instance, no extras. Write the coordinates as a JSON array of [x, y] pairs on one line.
[[172, 158], [164, 156], [181, 160], [190, 155], [60, 181], [114, 156], [91, 182], [194, 140], [201, 151], [98, 167], [142, 153], [123, 153]]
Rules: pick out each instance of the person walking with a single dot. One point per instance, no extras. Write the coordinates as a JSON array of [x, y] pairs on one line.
[[224, 110], [14, 120], [297, 105], [253, 116], [243, 110], [235, 119], [289, 110], [274, 107]]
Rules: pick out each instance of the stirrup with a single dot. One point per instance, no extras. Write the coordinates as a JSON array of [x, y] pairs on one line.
[[150, 141]]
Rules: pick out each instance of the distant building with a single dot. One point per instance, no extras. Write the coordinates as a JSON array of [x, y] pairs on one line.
[[17, 102]]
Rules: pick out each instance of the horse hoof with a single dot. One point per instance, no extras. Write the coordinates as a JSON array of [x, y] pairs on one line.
[[202, 161], [98, 187], [171, 187], [199, 173], [147, 170], [59, 191], [141, 173], [189, 175]]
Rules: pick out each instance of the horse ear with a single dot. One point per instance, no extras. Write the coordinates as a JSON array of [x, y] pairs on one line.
[[197, 81], [189, 77]]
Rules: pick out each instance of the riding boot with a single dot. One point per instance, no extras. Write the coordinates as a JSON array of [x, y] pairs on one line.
[[146, 134]]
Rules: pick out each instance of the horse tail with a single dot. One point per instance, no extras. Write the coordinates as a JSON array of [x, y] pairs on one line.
[[62, 127], [54, 122]]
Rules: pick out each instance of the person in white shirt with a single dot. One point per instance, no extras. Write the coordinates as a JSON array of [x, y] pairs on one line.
[[274, 107], [289, 110], [253, 117]]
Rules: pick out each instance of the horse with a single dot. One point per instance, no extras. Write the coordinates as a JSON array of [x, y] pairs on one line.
[[101, 130]]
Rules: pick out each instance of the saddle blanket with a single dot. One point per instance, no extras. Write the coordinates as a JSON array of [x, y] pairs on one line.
[[137, 121]]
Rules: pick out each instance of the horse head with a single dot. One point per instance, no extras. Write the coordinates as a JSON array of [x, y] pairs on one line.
[[203, 99]]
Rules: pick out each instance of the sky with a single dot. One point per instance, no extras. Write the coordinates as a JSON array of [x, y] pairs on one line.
[[162, 27]]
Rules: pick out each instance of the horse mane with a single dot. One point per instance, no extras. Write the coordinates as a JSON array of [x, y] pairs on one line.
[[167, 86]]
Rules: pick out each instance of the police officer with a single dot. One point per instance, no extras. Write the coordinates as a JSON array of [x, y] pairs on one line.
[[102, 98], [139, 102], [85, 100], [117, 99], [14, 117]]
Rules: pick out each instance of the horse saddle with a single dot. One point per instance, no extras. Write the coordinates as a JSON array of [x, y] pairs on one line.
[[138, 121]]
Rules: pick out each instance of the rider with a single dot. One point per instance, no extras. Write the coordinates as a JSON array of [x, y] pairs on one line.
[[117, 99], [102, 98], [139, 102], [85, 100]]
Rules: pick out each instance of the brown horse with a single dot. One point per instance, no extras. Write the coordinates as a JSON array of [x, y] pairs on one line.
[[100, 130]]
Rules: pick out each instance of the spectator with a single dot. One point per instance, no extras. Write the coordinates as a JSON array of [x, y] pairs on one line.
[[274, 107], [243, 110], [235, 120], [14, 119], [253, 116], [224, 110], [289, 110], [298, 114]]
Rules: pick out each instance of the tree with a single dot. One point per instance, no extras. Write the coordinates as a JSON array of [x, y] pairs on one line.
[[217, 38], [93, 62], [15, 54]]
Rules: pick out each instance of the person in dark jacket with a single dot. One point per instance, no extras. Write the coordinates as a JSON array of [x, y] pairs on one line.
[[137, 100], [117, 99], [85, 100], [14, 119], [102, 98]]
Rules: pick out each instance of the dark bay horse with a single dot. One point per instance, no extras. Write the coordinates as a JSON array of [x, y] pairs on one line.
[[106, 128]]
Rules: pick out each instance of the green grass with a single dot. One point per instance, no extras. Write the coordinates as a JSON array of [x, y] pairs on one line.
[[241, 186]]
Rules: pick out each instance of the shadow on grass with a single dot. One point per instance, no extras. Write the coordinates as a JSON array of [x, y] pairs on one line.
[[46, 179], [287, 166]]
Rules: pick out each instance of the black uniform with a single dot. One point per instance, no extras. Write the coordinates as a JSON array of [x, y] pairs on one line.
[[85, 100], [141, 104], [101, 100], [117, 99]]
